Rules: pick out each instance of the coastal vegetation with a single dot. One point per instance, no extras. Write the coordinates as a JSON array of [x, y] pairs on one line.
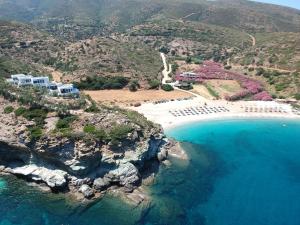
[[8, 109], [101, 83], [211, 90], [167, 87]]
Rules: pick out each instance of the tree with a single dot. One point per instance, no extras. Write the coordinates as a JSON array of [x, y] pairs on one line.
[[153, 84], [167, 87], [188, 59], [164, 49], [134, 85]]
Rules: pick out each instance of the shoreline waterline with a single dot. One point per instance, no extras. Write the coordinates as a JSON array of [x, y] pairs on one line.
[[232, 116], [171, 114]]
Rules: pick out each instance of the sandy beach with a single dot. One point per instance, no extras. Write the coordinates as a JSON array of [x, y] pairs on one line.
[[179, 112]]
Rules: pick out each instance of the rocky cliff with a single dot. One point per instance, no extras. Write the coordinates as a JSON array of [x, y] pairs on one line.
[[78, 162]]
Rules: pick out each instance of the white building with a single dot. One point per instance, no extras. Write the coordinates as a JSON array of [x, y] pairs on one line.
[[40, 81], [54, 88], [190, 75], [67, 89], [63, 89], [20, 79]]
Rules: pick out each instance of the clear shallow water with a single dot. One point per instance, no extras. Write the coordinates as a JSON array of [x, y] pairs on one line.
[[241, 172], [256, 170]]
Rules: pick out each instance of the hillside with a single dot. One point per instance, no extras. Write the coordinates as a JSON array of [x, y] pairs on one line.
[[79, 19], [241, 14], [101, 56], [281, 50], [189, 38], [24, 49], [121, 38]]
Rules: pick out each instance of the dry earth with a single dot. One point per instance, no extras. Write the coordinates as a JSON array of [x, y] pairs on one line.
[[126, 97]]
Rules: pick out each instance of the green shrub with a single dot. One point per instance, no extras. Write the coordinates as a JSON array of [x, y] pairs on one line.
[[154, 84], [20, 111], [260, 71], [297, 96], [188, 59], [175, 67], [164, 49], [101, 83], [65, 122], [167, 87], [134, 85], [280, 86], [8, 109], [119, 132], [35, 114], [89, 129], [35, 133], [98, 134]]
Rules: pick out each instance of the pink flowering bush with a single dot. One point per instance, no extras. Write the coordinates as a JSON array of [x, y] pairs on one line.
[[262, 96], [212, 70]]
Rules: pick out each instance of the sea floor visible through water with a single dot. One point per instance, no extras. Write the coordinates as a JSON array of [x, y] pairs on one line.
[[239, 172]]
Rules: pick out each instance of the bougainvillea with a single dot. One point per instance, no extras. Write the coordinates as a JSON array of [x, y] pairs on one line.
[[212, 70], [262, 96]]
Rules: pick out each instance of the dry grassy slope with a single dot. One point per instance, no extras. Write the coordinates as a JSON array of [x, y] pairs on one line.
[[242, 14], [92, 17], [98, 56], [280, 50], [190, 38], [108, 56], [24, 48]]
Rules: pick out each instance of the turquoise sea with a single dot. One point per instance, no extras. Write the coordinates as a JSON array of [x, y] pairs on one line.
[[240, 172]]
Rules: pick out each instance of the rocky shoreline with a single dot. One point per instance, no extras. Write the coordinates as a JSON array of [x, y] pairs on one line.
[[85, 169], [125, 176]]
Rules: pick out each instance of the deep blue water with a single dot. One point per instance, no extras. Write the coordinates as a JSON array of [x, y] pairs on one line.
[[240, 172]]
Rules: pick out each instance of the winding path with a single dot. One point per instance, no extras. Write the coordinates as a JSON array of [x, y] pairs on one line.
[[253, 39], [167, 69]]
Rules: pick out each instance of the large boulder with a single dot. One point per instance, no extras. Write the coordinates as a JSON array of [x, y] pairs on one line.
[[162, 154], [101, 184], [55, 179], [126, 175], [87, 191]]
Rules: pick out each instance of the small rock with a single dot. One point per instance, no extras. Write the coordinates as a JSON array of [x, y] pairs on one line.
[[162, 155]]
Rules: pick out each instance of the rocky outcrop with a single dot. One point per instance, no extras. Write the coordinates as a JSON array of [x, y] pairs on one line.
[[55, 179], [79, 164], [87, 191], [100, 184], [126, 175]]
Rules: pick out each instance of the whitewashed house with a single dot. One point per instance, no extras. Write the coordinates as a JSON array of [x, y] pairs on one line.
[[190, 75], [40, 81], [54, 88], [63, 90], [67, 90], [20, 79]]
